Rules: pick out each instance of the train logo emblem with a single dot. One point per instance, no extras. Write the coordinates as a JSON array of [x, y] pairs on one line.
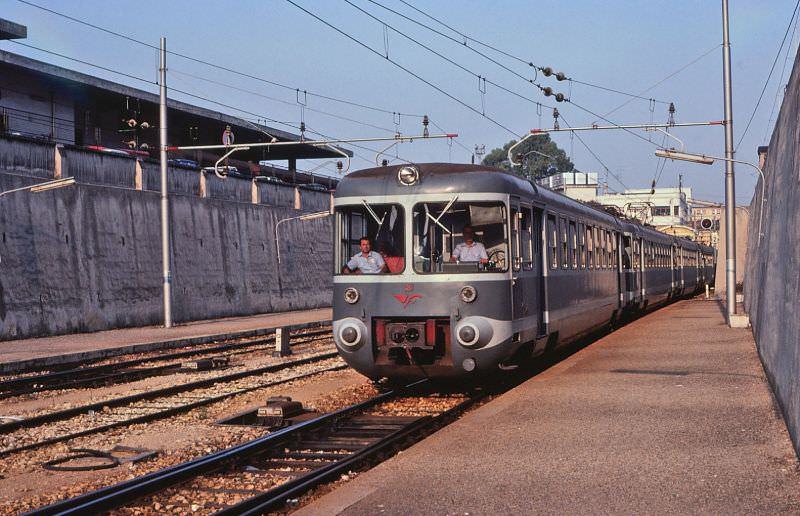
[[409, 298]]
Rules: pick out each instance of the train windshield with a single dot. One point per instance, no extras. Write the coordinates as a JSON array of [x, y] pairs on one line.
[[460, 237], [382, 225]]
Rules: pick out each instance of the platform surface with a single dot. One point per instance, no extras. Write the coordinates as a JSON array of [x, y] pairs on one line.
[[669, 414], [61, 348]]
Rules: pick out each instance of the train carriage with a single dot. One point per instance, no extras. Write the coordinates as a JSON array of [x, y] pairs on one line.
[[553, 270]]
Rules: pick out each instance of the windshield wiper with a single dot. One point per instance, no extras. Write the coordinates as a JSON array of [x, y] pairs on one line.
[[374, 216], [437, 219]]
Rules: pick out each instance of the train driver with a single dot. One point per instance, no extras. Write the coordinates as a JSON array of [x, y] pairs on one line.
[[469, 250], [365, 262]]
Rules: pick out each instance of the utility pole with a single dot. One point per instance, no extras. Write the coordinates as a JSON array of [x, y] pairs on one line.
[[730, 197], [162, 129]]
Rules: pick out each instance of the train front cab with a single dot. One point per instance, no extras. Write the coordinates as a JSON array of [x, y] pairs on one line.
[[431, 315]]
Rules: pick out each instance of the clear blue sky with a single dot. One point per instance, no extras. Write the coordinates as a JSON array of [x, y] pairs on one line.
[[624, 45]]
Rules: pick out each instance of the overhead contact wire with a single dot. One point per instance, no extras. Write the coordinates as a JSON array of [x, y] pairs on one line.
[[407, 70]]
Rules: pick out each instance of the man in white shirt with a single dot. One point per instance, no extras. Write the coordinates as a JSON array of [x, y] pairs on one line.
[[365, 262], [469, 250]]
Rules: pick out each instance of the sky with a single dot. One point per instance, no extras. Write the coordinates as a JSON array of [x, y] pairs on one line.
[[628, 46]]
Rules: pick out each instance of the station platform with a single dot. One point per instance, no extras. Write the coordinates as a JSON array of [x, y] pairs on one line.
[[671, 413], [16, 355]]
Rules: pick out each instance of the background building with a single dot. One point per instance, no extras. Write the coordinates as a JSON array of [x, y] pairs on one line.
[[577, 185], [57, 105], [706, 217]]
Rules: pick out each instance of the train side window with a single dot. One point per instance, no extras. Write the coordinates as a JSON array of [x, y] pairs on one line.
[[610, 236], [597, 249], [589, 248], [581, 245], [552, 237], [516, 256], [562, 224], [601, 253], [614, 260], [526, 235], [573, 245]]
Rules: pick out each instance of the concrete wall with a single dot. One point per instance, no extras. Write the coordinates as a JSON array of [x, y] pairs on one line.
[[772, 280], [87, 257], [742, 237]]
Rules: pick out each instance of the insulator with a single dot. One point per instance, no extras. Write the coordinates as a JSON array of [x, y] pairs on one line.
[[144, 147], [560, 76], [547, 71], [302, 127], [131, 144], [559, 97], [132, 122], [425, 126], [144, 125], [425, 120], [385, 162], [339, 165], [547, 91]]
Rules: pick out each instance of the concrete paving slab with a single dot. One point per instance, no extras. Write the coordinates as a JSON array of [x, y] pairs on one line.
[[669, 414], [16, 355]]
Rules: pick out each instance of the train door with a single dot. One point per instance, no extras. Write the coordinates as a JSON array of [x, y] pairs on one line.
[[526, 266], [631, 267]]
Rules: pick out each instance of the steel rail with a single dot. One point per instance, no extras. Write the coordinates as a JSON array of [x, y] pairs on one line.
[[168, 345], [278, 496], [125, 400], [74, 377], [108, 498]]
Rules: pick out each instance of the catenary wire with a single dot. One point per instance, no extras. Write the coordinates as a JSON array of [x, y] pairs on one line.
[[668, 77], [475, 74], [608, 170], [780, 81], [521, 60], [189, 94], [769, 76], [282, 101], [405, 69], [220, 67]]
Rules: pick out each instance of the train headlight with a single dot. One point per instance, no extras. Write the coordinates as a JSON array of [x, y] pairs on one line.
[[351, 295], [408, 175], [468, 335], [349, 335], [468, 294]]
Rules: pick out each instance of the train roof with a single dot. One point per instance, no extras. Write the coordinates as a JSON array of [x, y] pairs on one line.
[[446, 178]]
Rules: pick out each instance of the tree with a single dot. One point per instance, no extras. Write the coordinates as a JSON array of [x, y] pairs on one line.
[[540, 156]]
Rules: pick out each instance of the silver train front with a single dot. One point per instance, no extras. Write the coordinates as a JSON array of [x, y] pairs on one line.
[[446, 329]]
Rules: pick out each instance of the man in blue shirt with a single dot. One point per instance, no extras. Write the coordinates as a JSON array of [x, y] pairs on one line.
[[365, 262]]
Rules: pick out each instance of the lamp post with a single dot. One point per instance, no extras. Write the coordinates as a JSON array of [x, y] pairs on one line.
[[730, 189], [162, 133], [730, 242]]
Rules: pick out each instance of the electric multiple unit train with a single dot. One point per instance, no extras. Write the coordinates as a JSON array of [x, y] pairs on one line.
[[554, 270]]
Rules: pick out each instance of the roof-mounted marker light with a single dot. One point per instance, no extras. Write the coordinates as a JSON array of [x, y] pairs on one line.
[[408, 175]]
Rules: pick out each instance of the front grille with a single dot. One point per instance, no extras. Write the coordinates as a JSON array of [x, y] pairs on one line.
[[411, 341]]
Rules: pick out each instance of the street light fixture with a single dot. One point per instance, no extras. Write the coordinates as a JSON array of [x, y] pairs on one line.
[[43, 187], [709, 160], [307, 216]]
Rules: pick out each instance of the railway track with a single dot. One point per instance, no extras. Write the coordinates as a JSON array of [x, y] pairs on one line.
[[130, 370], [46, 429], [271, 471]]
